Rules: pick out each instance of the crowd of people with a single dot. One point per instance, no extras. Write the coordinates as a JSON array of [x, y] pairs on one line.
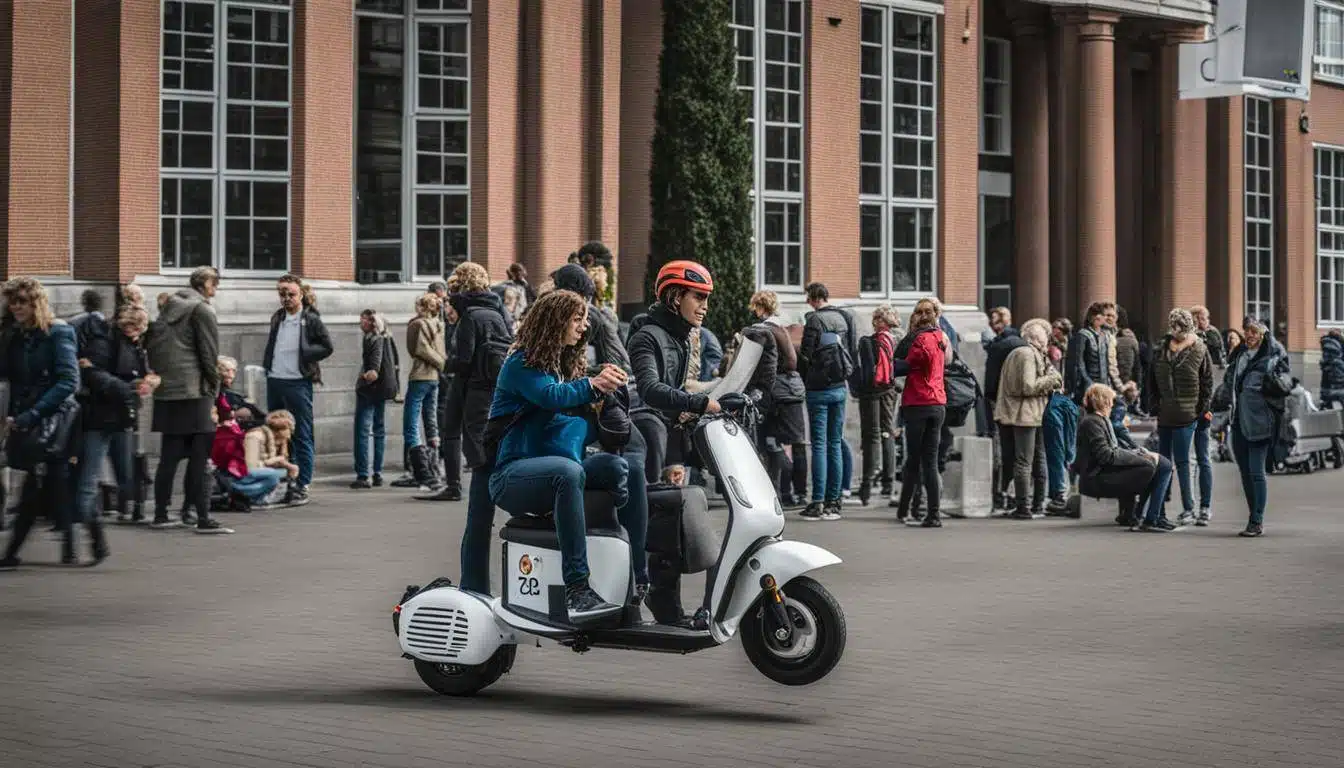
[[519, 385]]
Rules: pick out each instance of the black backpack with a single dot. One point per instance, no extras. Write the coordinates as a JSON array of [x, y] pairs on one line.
[[962, 389], [831, 363], [489, 357]]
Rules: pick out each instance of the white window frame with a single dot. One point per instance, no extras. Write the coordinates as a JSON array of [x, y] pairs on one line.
[[923, 207], [1000, 186], [1329, 237], [219, 174], [1320, 60], [1262, 145], [997, 47], [763, 200], [412, 113]]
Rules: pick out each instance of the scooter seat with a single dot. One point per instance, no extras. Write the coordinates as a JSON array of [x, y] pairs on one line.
[[599, 512]]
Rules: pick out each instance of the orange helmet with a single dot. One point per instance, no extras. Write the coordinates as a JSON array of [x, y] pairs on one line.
[[686, 274]]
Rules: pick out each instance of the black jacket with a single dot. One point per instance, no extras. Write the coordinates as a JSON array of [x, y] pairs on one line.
[[604, 334], [108, 400], [763, 378], [481, 319], [236, 402], [314, 342], [375, 347], [827, 319], [1087, 363], [996, 352], [1097, 458], [660, 354]]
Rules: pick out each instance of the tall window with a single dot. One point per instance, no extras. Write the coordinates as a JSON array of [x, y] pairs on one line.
[[997, 246], [225, 135], [1330, 236], [1329, 58], [996, 137], [769, 36], [898, 195], [1259, 260], [412, 197]]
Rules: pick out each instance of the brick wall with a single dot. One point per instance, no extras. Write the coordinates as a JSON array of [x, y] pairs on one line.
[[959, 153], [37, 237], [831, 140], [1326, 112], [1226, 210], [1184, 176], [322, 131], [495, 161], [607, 121], [641, 40]]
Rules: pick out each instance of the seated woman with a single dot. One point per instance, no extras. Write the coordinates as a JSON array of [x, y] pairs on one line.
[[247, 414], [1107, 470], [540, 467], [259, 479]]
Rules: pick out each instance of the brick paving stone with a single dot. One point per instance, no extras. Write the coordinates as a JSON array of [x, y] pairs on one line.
[[988, 643]]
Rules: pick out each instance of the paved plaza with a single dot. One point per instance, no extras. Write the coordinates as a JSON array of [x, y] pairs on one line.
[[988, 643]]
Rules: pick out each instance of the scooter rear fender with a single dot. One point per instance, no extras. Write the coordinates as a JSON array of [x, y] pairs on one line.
[[785, 560]]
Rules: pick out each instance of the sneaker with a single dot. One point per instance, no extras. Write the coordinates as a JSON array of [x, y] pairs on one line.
[[405, 481], [163, 524], [812, 513], [1252, 530], [1154, 527], [297, 496], [865, 492], [830, 511], [1202, 520], [188, 518], [377, 481], [1166, 525], [583, 603], [360, 484], [124, 518], [846, 495], [209, 525], [1185, 518], [1021, 513], [932, 521], [787, 501], [1038, 512], [1057, 506]]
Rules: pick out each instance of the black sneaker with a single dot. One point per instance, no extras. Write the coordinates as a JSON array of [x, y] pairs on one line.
[[377, 481], [1021, 513], [932, 521], [583, 603], [1154, 527], [188, 519], [1057, 505], [209, 526], [360, 484], [830, 511], [1252, 530], [164, 524], [1166, 524], [297, 496], [813, 513]]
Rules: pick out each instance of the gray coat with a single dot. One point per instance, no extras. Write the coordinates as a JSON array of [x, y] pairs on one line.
[[183, 346], [1256, 407]]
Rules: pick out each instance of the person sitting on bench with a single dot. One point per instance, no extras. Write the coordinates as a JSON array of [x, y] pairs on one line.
[[1107, 470]]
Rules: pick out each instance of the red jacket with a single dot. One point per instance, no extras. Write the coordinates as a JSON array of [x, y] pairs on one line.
[[924, 383]]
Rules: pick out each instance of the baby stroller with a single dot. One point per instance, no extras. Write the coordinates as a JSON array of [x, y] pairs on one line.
[[1221, 435], [1310, 438]]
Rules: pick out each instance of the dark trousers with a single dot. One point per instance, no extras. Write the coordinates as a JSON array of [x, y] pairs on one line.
[[923, 435], [1028, 462], [196, 450], [654, 432], [49, 494], [450, 430], [877, 418]]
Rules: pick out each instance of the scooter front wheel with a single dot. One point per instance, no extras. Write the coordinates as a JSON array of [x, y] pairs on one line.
[[466, 680], [818, 635]]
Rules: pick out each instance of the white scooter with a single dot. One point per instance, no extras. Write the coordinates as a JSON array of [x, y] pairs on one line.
[[793, 629]]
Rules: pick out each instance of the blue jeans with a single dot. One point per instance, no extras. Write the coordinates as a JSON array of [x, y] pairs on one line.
[[258, 483], [1174, 443], [97, 447], [1202, 439], [826, 414], [296, 396], [1156, 493], [1251, 457], [421, 396], [555, 484], [369, 422]]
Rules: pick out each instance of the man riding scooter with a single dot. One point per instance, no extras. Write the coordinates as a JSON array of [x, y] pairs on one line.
[[659, 355]]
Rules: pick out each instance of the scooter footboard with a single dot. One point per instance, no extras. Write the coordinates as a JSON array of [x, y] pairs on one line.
[[785, 560], [449, 626]]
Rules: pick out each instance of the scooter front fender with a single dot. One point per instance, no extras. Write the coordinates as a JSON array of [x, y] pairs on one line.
[[785, 560]]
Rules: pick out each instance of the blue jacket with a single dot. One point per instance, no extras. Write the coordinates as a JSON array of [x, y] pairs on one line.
[[1332, 363], [1255, 412], [711, 355], [548, 430], [42, 369]]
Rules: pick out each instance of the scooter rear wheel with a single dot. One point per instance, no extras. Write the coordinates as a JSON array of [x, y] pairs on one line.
[[462, 680], [819, 635]]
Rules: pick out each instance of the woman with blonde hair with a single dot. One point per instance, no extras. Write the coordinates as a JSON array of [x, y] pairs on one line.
[[1106, 470], [425, 345], [878, 392], [1025, 383], [923, 408], [38, 358], [269, 471]]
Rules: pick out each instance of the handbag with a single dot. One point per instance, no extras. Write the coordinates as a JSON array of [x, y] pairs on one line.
[[47, 440]]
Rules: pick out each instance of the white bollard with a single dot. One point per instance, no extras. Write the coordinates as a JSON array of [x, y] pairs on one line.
[[254, 384], [970, 491]]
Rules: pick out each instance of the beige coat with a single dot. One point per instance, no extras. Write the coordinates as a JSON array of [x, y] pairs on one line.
[[1025, 385], [424, 340], [261, 449]]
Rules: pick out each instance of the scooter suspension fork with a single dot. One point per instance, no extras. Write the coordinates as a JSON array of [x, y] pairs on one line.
[[774, 605]]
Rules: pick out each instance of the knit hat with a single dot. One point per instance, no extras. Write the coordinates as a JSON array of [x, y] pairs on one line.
[[1181, 321], [573, 277]]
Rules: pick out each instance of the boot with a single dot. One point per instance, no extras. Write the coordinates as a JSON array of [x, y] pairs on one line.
[[99, 542], [1020, 511], [664, 595], [420, 467], [68, 556]]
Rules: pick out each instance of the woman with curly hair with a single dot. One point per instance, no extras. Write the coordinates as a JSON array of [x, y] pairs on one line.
[[540, 466]]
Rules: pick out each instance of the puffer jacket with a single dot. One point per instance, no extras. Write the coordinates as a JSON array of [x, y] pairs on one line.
[[108, 401], [660, 354], [183, 346], [1127, 356], [481, 319], [41, 367], [1255, 411], [1332, 364], [1181, 383], [1024, 388], [424, 343], [1213, 340]]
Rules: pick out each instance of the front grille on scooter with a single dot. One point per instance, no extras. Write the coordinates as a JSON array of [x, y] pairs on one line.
[[437, 632]]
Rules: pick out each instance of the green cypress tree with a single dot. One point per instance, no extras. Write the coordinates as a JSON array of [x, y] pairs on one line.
[[701, 174]]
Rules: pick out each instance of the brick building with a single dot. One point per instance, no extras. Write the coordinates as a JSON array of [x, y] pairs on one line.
[[987, 151]]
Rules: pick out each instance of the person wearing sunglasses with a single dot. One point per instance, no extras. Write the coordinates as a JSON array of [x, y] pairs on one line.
[[299, 341]]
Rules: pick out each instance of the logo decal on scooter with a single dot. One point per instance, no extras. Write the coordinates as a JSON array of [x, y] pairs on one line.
[[525, 565]]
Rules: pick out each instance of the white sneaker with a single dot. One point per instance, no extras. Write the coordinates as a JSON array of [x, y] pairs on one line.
[[1205, 515]]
